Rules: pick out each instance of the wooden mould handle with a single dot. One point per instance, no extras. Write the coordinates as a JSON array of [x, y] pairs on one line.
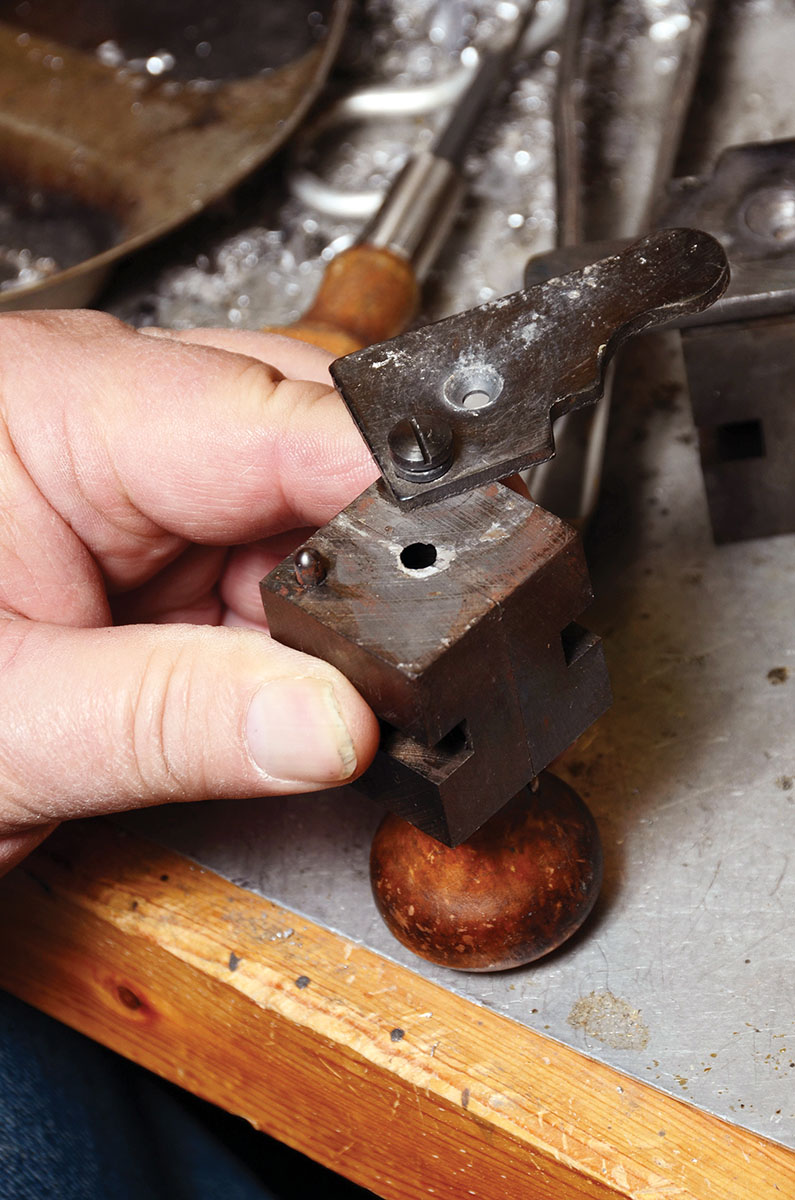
[[367, 295]]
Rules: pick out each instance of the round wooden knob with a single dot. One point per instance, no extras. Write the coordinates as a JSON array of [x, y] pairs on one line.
[[518, 888]]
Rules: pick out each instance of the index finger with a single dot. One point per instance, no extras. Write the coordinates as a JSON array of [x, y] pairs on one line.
[[128, 435], [294, 358]]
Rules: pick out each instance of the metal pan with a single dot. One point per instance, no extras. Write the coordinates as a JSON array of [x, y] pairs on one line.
[[108, 139]]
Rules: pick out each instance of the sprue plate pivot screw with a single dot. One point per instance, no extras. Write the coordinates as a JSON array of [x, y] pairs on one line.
[[421, 447]]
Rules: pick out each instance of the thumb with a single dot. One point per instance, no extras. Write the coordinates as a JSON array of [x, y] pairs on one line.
[[102, 720]]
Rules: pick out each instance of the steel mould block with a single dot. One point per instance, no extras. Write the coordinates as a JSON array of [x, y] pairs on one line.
[[458, 624]]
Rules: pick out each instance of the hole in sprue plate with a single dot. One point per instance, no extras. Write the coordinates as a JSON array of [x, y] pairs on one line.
[[418, 556], [476, 400], [473, 387]]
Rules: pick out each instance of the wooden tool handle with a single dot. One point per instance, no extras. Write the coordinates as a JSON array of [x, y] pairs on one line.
[[367, 295]]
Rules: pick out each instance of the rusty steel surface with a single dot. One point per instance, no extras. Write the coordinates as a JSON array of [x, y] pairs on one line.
[[457, 622]]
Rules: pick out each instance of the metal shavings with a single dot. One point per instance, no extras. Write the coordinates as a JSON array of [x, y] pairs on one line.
[[267, 272]]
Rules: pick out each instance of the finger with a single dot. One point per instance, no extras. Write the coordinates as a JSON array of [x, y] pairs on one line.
[[146, 440], [99, 720], [207, 580], [236, 621], [293, 358], [17, 846], [185, 590], [46, 573], [248, 565]]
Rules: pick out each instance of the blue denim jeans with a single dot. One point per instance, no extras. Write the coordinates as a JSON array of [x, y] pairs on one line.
[[78, 1122]]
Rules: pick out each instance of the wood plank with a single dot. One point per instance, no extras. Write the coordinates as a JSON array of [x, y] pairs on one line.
[[350, 1058]]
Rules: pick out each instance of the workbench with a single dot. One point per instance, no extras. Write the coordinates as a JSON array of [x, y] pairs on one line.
[[235, 948]]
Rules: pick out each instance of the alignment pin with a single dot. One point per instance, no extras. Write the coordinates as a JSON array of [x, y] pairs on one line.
[[310, 567]]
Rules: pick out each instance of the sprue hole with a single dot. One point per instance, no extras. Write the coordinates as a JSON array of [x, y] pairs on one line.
[[418, 555], [476, 399], [473, 387]]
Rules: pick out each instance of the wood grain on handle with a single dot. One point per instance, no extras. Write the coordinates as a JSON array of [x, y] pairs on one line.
[[368, 294]]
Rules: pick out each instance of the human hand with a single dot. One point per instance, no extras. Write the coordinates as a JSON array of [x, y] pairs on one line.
[[147, 483]]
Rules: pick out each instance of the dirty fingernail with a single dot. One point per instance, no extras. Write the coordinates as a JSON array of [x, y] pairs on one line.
[[296, 732]]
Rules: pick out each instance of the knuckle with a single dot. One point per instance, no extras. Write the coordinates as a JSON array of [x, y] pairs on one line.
[[257, 381], [158, 723]]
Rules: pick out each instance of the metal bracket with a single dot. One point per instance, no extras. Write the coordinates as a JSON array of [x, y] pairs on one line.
[[470, 399], [740, 357]]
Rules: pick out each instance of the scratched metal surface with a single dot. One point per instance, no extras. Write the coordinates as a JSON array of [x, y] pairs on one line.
[[683, 976]]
